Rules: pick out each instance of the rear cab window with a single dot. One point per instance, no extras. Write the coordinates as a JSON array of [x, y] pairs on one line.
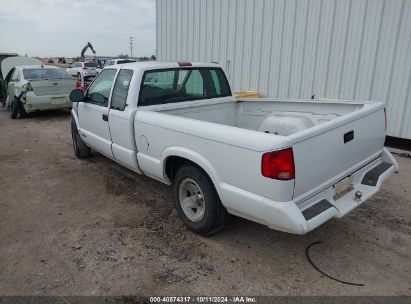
[[182, 84], [125, 61]]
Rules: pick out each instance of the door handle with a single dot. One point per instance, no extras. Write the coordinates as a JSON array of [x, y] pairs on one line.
[[105, 117]]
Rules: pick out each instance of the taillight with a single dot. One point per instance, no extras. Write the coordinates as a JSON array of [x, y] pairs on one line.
[[278, 164], [84, 68], [385, 117]]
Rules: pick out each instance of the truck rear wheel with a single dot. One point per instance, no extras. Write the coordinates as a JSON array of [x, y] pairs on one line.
[[197, 201], [81, 150]]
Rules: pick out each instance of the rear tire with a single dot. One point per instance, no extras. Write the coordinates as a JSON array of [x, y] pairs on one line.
[[197, 201], [14, 109], [81, 150], [22, 110]]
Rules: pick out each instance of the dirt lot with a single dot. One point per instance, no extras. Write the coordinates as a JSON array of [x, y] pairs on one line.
[[73, 227]]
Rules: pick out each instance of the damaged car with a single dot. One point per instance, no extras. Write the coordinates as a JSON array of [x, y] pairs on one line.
[[36, 87]]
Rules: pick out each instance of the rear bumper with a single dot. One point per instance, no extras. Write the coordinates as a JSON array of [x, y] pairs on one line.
[[33, 102], [304, 216], [367, 180]]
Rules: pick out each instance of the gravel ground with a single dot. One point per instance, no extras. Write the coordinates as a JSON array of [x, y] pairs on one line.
[[74, 227]]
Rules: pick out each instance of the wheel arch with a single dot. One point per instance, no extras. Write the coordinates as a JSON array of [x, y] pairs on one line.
[[175, 157], [75, 117]]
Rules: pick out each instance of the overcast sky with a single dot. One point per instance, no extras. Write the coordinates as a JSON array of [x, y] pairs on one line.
[[62, 27]]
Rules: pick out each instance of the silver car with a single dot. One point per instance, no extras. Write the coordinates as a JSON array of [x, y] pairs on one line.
[[90, 68], [38, 87]]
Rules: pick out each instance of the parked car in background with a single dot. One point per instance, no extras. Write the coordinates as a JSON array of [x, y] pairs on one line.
[[101, 63], [38, 87], [118, 61], [289, 164], [88, 68], [6, 65], [84, 81]]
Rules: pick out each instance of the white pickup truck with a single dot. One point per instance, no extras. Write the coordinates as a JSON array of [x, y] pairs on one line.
[[288, 164]]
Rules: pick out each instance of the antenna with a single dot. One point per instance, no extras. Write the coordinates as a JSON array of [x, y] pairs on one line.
[[131, 46]]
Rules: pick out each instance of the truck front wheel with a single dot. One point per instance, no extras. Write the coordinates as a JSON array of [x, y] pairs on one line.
[[197, 201], [81, 150]]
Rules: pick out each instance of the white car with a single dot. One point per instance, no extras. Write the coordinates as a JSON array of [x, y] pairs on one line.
[[118, 61], [87, 68], [289, 164]]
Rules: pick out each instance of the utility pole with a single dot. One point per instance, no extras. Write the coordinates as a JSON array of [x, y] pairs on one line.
[[131, 46]]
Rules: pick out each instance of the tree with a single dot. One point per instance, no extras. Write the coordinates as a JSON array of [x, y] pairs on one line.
[[153, 57]]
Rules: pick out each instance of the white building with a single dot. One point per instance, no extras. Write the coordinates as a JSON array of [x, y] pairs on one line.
[[345, 49]]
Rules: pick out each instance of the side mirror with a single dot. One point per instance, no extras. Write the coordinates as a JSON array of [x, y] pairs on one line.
[[77, 95]]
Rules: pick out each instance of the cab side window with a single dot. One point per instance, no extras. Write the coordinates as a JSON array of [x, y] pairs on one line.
[[120, 90], [99, 91]]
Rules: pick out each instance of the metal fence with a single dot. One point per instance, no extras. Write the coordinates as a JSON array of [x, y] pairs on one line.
[[345, 49]]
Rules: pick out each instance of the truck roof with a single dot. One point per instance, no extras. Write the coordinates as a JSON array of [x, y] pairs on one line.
[[39, 67], [152, 65]]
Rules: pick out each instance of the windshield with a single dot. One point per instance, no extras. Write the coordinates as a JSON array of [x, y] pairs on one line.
[[45, 74], [91, 64]]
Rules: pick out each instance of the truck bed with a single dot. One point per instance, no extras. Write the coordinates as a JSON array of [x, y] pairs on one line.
[[328, 137], [272, 116]]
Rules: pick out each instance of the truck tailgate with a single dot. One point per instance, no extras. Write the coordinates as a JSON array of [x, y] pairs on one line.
[[338, 149]]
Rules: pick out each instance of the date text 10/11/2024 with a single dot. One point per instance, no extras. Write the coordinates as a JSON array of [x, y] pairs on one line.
[[206, 299]]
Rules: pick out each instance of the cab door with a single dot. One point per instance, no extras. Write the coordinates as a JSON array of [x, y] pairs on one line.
[[93, 113], [121, 121]]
